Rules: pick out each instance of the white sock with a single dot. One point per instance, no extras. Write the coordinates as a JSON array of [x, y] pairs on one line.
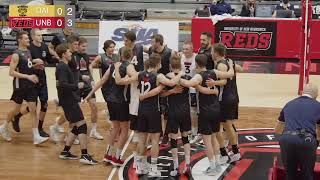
[[35, 132], [118, 153], [187, 159], [194, 131], [94, 126], [109, 150], [154, 164], [175, 163], [212, 163], [217, 158]]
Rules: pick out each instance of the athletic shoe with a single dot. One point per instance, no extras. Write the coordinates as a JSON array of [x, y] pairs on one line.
[[54, 133], [196, 139], [187, 170], [175, 173], [107, 158], [223, 160], [5, 133], [43, 133], [210, 171], [67, 155], [234, 157], [87, 159], [140, 171], [154, 173], [117, 162], [95, 135], [39, 140], [15, 123], [60, 128]]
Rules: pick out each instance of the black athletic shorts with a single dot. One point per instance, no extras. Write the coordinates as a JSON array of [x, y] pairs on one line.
[[27, 94], [229, 111], [72, 111], [42, 92], [118, 111], [178, 120], [133, 122], [149, 121], [209, 122], [84, 93]]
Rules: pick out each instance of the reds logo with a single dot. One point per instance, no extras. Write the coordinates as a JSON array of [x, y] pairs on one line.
[[246, 40], [258, 149]]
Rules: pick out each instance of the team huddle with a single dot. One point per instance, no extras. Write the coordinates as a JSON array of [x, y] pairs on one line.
[[169, 94]]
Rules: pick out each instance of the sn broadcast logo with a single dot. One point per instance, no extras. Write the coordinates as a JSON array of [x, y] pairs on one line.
[[143, 34]]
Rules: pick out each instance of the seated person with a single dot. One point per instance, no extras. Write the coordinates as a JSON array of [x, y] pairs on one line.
[[219, 7], [249, 9], [285, 5]]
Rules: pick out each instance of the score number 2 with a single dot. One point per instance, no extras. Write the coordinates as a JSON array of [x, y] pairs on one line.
[[70, 16]]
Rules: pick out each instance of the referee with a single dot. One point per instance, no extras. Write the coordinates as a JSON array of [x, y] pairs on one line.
[[299, 124]]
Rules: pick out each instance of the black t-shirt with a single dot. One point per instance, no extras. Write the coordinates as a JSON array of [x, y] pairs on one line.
[[228, 94], [179, 103], [25, 67], [66, 86], [165, 59], [117, 93], [84, 69], [208, 53], [42, 53], [208, 102], [147, 82]]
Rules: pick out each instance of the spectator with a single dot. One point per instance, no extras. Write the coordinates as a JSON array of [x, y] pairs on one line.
[[249, 9], [285, 5], [219, 7]]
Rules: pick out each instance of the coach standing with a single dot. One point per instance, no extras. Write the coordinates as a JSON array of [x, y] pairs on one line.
[[299, 124]]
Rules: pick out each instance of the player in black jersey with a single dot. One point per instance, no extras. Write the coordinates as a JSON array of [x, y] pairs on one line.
[[137, 50], [68, 98], [73, 46], [104, 61], [179, 117], [86, 77], [209, 108], [39, 50], [158, 47], [229, 102], [149, 117], [118, 105], [24, 86], [206, 48]]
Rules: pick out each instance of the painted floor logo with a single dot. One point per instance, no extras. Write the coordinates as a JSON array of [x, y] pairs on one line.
[[258, 149]]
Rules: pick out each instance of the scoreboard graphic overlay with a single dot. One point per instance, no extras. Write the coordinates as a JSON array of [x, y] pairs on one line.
[[41, 16]]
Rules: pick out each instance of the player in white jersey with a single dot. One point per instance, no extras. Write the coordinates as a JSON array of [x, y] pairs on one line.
[[188, 66]]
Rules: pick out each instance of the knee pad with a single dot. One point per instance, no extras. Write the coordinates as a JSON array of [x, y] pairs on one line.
[[75, 130], [185, 140], [82, 129], [234, 128], [44, 106], [173, 143]]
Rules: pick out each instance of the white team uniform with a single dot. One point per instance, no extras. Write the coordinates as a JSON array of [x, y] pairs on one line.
[[134, 94], [188, 66]]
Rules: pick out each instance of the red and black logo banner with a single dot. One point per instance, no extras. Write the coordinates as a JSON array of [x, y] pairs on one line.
[[247, 38]]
